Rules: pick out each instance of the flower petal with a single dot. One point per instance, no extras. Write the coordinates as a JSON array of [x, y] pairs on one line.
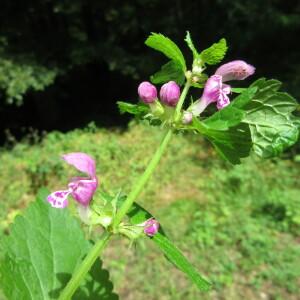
[[212, 89], [235, 70], [58, 199], [81, 162], [226, 89], [223, 101], [83, 190]]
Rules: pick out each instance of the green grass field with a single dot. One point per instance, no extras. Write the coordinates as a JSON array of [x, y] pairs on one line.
[[239, 225]]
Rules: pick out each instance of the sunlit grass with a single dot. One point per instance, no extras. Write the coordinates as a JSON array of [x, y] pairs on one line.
[[238, 224]]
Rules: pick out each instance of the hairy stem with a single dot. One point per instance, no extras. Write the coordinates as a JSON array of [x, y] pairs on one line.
[[153, 163], [181, 100], [143, 179], [84, 267]]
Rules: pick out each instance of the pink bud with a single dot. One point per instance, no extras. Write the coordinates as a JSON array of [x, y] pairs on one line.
[[235, 70], [147, 92], [151, 227], [170, 93]]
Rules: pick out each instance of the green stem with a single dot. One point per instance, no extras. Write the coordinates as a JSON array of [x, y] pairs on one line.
[[181, 100], [153, 163], [84, 268], [143, 179]]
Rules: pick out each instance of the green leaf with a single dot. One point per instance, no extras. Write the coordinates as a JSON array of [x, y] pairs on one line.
[[269, 116], [202, 78], [169, 71], [244, 98], [259, 119], [190, 44], [96, 285], [232, 143], [232, 114], [225, 118], [163, 44], [238, 90], [215, 53], [225, 130], [43, 249], [175, 256], [138, 215], [139, 109]]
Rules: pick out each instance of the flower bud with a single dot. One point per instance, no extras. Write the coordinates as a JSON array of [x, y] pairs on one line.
[[235, 70], [170, 93], [151, 227], [147, 92]]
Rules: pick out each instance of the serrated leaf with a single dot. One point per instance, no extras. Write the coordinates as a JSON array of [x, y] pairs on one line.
[[232, 144], [225, 118], [175, 256], [138, 215], [244, 98], [231, 138], [215, 53], [43, 249], [259, 119], [190, 44], [96, 285], [139, 109], [169, 71], [269, 116], [165, 45]]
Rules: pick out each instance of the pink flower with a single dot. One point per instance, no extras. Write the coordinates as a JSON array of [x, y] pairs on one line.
[[147, 92], [82, 189], [151, 227], [235, 70], [216, 91], [170, 93]]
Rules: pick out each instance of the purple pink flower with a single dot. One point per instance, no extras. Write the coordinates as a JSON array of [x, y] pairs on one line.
[[216, 90], [81, 189]]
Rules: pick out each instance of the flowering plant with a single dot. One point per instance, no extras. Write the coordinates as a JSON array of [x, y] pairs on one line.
[[239, 122]]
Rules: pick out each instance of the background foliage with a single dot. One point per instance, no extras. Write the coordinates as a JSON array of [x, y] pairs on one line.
[[238, 225], [76, 50]]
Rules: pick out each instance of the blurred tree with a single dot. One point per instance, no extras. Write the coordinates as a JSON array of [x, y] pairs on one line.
[[44, 40]]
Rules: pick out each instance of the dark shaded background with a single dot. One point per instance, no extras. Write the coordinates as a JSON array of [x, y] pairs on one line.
[[97, 53]]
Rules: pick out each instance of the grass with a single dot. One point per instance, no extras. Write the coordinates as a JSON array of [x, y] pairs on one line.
[[238, 224]]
